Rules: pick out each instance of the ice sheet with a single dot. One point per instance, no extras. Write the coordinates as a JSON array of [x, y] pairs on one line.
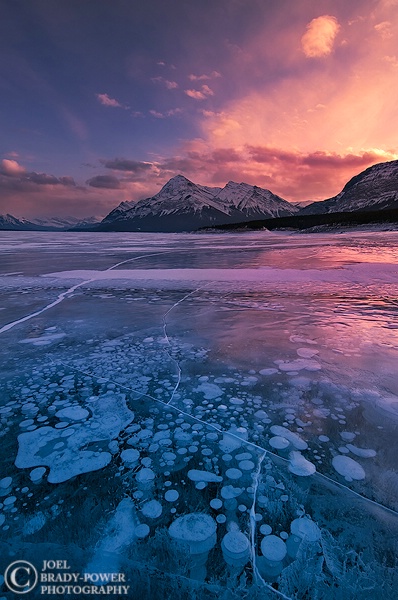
[[215, 344]]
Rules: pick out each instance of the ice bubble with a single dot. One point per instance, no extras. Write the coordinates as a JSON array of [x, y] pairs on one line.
[[171, 495], [300, 465], [196, 529], [210, 390], [142, 530], [347, 436], [273, 548], [216, 503], [298, 364], [261, 415], [348, 468], [10, 500], [229, 491], [266, 529], [279, 443], [246, 465], [130, 457], [236, 401], [270, 371], [292, 437], [305, 528], [227, 457], [73, 413], [361, 452], [152, 509], [233, 473], [235, 545], [243, 456], [145, 475], [306, 352], [196, 475], [323, 438], [221, 518], [37, 474], [5, 482]]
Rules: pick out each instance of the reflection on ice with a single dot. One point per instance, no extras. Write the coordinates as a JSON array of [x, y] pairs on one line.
[[219, 432]]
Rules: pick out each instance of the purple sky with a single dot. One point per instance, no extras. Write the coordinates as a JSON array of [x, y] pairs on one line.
[[104, 101]]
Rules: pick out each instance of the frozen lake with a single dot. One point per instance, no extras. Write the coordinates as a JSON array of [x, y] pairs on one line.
[[212, 414]]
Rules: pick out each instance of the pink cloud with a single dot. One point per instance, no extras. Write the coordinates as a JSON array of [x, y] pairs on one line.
[[318, 40], [106, 100], [204, 92], [204, 77], [11, 168], [170, 85]]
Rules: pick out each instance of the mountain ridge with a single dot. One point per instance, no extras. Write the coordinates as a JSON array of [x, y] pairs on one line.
[[375, 188], [182, 205]]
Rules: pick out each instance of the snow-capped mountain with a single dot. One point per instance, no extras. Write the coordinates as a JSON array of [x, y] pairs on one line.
[[9, 222], [182, 205], [376, 188]]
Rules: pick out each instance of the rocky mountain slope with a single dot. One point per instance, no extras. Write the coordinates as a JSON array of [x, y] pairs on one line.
[[182, 205], [376, 188]]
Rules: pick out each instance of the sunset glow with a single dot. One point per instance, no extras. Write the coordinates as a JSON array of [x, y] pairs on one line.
[[104, 102]]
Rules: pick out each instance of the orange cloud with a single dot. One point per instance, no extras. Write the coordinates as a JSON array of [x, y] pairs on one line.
[[320, 36]]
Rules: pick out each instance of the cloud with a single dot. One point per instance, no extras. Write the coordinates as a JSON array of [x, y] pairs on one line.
[[106, 100], [384, 29], [124, 164], [104, 181], [392, 60], [156, 114], [170, 85], [45, 179], [320, 36], [11, 168], [201, 94], [204, 77], [168, 113]]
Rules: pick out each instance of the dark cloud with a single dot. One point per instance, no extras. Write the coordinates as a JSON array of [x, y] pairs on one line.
[[124, 164], [45, 179], [226, 155], [104, 181]]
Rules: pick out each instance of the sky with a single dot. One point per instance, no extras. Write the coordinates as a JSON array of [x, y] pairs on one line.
[[103, 101]]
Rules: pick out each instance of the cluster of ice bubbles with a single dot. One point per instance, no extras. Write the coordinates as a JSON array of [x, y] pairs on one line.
[[192, 467]]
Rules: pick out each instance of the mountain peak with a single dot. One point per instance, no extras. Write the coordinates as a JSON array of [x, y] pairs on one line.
[[182, 205]]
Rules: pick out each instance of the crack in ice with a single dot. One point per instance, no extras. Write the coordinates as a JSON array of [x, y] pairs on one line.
[[164, 318], [68, 293]]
